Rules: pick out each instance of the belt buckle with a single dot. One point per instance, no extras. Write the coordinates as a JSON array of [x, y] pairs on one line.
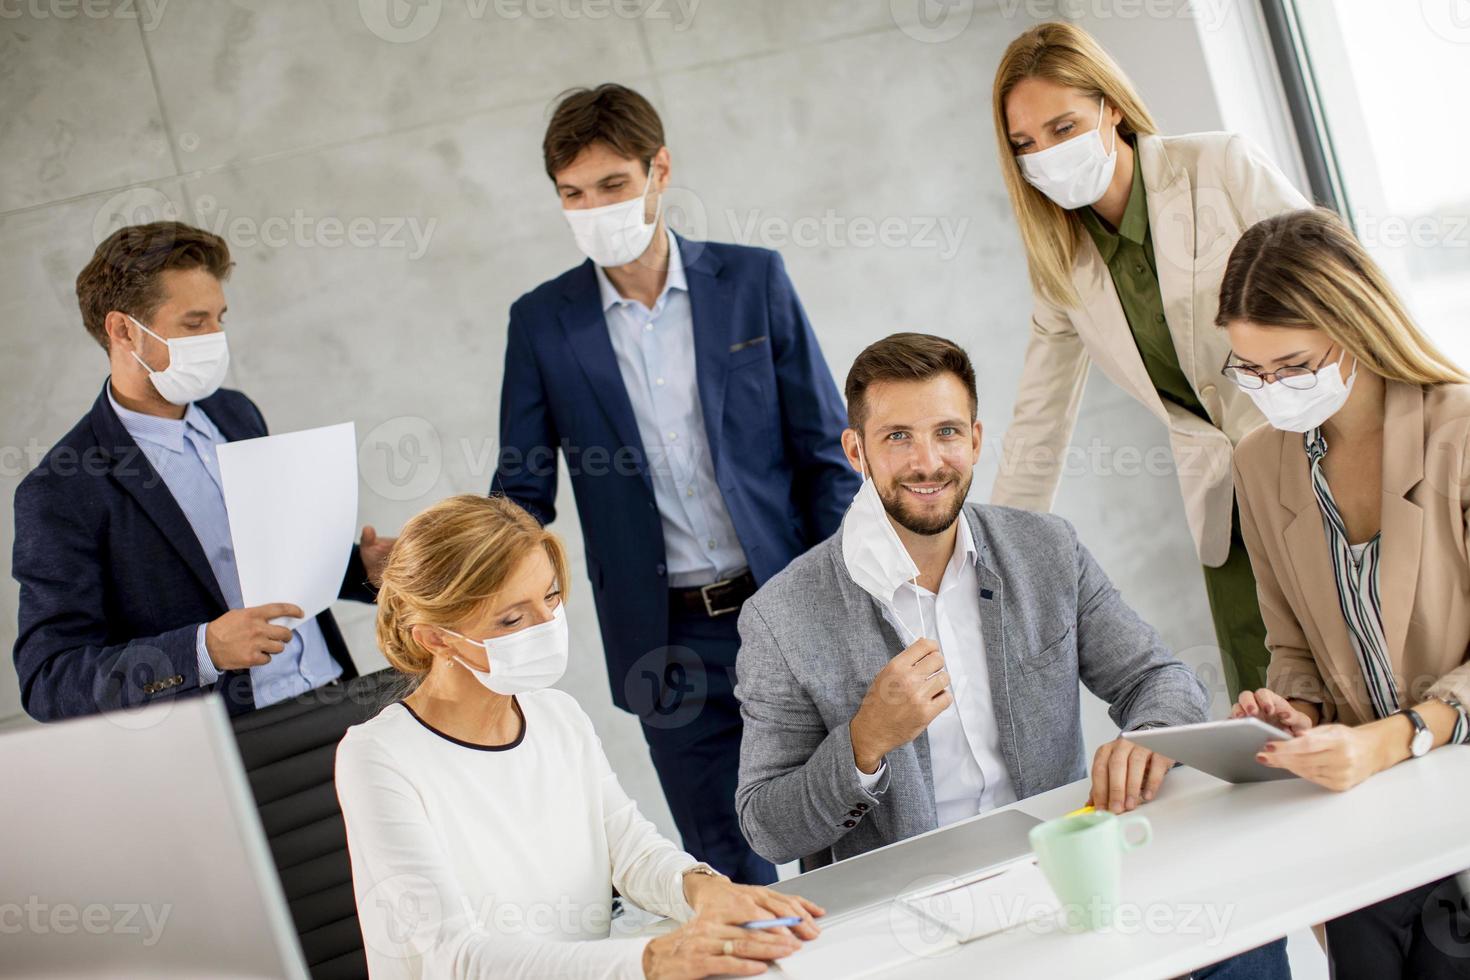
[[709, 607]]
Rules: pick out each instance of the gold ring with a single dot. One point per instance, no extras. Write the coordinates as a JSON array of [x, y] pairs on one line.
[[729, 946]]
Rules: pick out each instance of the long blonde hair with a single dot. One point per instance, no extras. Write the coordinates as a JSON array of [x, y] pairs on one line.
[[1307, 269], [447, 563], [1066, 54]]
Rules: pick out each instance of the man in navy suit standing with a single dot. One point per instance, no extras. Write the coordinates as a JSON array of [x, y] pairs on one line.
[[681, 382], [128, 586]]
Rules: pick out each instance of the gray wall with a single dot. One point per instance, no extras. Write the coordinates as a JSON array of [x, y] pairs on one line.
[[385, 201]]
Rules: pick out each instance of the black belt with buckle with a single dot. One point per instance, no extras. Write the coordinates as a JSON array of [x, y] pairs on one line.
[[716, 599]]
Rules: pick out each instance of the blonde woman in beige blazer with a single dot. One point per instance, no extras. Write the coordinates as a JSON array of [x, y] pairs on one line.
[[1128, 282], [1353, 500]]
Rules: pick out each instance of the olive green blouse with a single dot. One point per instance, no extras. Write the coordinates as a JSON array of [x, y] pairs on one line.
[[1129, 255]]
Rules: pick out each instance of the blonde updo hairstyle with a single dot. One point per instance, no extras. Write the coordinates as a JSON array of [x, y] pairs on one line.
[[448, 562]]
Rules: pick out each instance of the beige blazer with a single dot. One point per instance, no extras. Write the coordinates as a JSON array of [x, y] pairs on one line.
[[1424, 557], [1203, 190]]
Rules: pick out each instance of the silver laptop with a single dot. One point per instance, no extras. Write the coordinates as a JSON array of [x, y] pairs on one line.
[[957, 851], [132, 848]]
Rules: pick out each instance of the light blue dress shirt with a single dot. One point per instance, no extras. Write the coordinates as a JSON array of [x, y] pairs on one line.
[[655, 354], [183, 453]]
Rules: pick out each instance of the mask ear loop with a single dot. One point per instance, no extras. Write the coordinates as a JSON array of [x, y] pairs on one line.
[[1101, 105], [454, 658], [138, 357], [648, 186]]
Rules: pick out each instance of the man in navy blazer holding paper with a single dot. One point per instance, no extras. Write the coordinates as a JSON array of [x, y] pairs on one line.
[[128, 587], [683, 386]]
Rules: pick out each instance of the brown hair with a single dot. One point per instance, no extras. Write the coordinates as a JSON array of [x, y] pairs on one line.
[[905, 357], [1306, 269], [448, 562], [1067, 55], [126, 270], [610, 113]]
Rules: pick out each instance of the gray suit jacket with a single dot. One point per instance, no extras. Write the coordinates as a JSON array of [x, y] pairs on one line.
[[812, 642]]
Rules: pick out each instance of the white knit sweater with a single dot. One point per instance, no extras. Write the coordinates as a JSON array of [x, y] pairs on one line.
[[477, 862]]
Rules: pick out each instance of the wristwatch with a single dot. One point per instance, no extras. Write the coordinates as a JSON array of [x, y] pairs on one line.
[[701, 869], [1423, 739]]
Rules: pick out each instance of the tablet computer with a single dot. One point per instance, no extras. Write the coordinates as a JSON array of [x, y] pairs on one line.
[[1226, 749]]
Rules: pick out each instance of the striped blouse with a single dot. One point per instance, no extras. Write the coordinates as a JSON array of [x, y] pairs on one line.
[[1355, 568]]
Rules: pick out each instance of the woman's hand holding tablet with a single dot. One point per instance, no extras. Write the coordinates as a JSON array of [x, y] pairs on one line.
[[1226, 749]]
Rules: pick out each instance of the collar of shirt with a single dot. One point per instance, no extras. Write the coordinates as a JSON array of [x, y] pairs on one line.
[[164, 433], [675, 280], [1133, 227], [964, 551], [1315, 443]]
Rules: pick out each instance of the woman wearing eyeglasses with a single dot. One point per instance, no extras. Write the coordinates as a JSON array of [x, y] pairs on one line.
[[1126, 235], [486, 830], [1353, 501]]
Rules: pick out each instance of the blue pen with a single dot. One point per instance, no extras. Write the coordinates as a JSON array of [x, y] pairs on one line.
[[790, 920]]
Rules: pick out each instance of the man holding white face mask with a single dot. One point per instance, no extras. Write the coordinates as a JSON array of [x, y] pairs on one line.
[[683, 386], [922, 665], [128, 586]]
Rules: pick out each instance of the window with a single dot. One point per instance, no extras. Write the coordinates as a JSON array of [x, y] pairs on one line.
[[1378, 90]]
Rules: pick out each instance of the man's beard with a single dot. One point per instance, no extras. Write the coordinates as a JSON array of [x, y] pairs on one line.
[[895, 503]]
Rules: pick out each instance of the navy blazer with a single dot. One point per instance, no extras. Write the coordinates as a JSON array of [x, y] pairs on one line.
[[772, 415], [113, 581]]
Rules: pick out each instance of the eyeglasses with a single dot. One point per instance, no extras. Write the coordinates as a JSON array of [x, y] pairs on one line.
[[1298, 376]]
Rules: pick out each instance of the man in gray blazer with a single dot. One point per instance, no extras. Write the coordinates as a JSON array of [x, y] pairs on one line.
[[847, 746], [860, 729]]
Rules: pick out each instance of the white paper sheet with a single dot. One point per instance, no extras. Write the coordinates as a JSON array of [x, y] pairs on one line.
[[925, 924], [1011, 896], [292, 500], [868, 944]]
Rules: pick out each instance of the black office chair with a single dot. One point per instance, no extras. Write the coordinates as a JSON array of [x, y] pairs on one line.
[[289, 750]]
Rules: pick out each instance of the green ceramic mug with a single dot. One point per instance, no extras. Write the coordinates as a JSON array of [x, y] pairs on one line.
[[1082, 858]]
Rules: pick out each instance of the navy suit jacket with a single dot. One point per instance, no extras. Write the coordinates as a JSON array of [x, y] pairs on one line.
[[772, 414], [113, 581]]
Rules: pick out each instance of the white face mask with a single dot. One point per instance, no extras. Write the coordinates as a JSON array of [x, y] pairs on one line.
[[1076, 172], [196, 366], [526, 660], [616, 234], [875, 556], [1298, 410]]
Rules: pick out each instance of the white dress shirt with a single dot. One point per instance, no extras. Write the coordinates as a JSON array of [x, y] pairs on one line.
[[476, 862], [970, 775], [655, 354]]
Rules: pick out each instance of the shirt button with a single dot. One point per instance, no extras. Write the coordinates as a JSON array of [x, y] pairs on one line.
[[673, 437], [1138, 267], [849, 824], [711, 542], [1158, 317], [862, 806], [661, 568], [659, 382], [854, 813], [648, 326], [689, 492]]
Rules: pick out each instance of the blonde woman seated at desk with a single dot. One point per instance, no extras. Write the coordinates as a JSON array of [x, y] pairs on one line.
[[485, 826]]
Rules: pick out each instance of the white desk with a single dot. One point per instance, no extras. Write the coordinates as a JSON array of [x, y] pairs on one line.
[[1266, 859]]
